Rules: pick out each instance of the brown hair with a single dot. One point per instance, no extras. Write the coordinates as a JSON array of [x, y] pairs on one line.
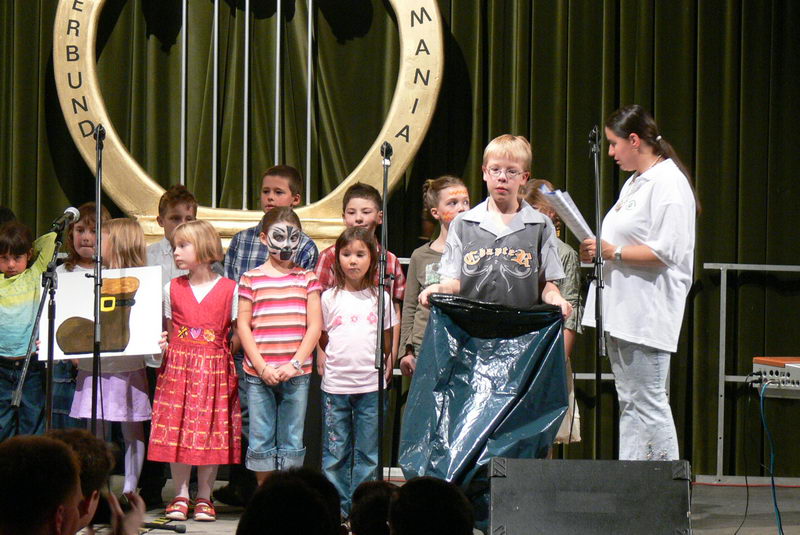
[[15, 238], [362, 190], [280, 214], [511, 147], [634, 119], [288, 172], [432, 187], [87, 217], [126, 244], [350, 235], [176, 194], [94, 456], [204, 237]]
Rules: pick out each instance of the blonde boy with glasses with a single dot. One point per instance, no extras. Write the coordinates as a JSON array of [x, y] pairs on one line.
[[502, 250]]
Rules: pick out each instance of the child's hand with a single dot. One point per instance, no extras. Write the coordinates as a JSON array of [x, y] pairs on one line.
[[269, 375], [387, 375], [286, 371], [162, 343], [423, 296], [408, 364]]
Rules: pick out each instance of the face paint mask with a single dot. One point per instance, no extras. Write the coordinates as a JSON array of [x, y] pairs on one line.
[[283, 240]]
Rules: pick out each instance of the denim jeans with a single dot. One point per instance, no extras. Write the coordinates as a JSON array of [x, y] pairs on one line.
[[646, 428], [349, 442], [31, 411], [63, 392], [277, 419]]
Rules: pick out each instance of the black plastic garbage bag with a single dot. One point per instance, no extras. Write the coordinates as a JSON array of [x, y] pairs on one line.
[[490, 382]]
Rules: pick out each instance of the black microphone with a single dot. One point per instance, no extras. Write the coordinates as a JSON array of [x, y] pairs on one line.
[[386, 151], [70, 215], [594, 139], [99, 132]]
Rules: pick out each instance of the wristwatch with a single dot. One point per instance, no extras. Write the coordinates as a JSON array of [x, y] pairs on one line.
[[297, 365], [618, 254]]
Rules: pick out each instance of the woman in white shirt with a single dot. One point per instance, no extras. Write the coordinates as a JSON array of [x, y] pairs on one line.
[[648, 244]]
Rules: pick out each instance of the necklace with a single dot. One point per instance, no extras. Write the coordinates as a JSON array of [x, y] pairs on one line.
[[634, 187]]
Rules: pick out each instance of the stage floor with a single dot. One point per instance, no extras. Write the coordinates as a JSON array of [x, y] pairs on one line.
[[715, 511]]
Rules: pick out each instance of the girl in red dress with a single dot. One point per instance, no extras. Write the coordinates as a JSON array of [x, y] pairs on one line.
[[196, 413]]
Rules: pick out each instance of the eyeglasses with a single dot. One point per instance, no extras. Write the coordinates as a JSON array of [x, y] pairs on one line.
[[510, 173]]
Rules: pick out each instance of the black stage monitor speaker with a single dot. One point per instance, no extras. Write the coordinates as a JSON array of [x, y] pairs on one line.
[[530, 496]]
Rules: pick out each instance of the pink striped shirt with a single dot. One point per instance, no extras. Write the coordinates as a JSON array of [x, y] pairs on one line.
[[279, 313]]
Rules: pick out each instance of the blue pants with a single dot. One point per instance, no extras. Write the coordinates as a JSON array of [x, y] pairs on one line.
[[277, 420], [349, 442], [29, 419], [63, 392]]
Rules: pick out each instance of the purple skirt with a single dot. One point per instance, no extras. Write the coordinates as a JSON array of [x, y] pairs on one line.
[[122, 397]]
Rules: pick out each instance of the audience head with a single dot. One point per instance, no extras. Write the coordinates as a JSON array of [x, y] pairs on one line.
[[371, 508], [427, 505], [95, 460], [16, 248], [362, 206], [176, 206], [80, 240], [40, 489], [281, 185], [287, 504]]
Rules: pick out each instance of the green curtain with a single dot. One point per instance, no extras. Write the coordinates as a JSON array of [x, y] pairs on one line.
[[719, 75]]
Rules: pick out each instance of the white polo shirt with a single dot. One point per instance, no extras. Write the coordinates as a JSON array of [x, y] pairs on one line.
[[645, 305]]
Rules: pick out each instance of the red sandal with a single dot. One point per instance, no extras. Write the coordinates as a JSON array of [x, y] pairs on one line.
[[204, 510], [178, 509]]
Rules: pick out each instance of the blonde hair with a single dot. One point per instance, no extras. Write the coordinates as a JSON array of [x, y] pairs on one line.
[[126, 245], [204, 237], [511, 147]]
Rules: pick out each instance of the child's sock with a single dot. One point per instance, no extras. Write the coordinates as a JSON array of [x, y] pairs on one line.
[[133, 433]]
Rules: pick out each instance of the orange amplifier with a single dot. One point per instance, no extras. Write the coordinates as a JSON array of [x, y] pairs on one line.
[[783, 374]]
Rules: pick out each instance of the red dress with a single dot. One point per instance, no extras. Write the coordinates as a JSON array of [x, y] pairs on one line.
[[197, 419]]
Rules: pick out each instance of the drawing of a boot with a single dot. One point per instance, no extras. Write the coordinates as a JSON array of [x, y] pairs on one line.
[[76, 334]]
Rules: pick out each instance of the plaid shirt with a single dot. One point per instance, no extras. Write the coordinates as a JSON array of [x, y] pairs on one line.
[[246, 252], [327, 277]]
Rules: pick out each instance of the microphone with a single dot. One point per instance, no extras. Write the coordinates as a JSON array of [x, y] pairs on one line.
[[99, 132], [386, 151], [594, 139], [70, 215]]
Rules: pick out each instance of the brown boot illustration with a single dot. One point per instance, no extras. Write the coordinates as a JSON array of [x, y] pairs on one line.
[[76, 334]]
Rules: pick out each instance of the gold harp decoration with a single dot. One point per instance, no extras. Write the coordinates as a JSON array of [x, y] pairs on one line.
[[136, 193]]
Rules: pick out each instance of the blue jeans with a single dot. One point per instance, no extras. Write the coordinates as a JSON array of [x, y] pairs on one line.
[[63, 392], [277, 419], [349, 442], [30, 415]]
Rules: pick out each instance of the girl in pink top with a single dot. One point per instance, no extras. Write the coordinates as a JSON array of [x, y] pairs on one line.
[[346, 362]]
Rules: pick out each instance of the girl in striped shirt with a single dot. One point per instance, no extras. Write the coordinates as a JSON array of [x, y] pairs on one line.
[[279, 325]]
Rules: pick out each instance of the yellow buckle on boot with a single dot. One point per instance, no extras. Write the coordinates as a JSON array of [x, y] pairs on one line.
[[108, 304]]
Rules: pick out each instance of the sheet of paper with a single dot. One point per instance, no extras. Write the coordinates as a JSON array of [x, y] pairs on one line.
[[566, 209]]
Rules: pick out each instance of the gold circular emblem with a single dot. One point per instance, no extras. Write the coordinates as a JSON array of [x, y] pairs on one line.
[[136, 193]]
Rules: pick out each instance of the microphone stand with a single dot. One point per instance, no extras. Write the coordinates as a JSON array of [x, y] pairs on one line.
[[386, 161], [50, 284], [594, 143], [99, 136]]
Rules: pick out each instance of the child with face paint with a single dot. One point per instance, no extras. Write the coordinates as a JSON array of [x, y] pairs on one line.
[[444, 198], [346, 362], [279, 326]]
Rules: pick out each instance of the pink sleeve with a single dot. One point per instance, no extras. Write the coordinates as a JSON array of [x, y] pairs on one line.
[[245, 287], [312, 283]]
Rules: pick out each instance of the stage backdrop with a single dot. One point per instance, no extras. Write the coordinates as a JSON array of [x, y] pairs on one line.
[[720, 76]]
